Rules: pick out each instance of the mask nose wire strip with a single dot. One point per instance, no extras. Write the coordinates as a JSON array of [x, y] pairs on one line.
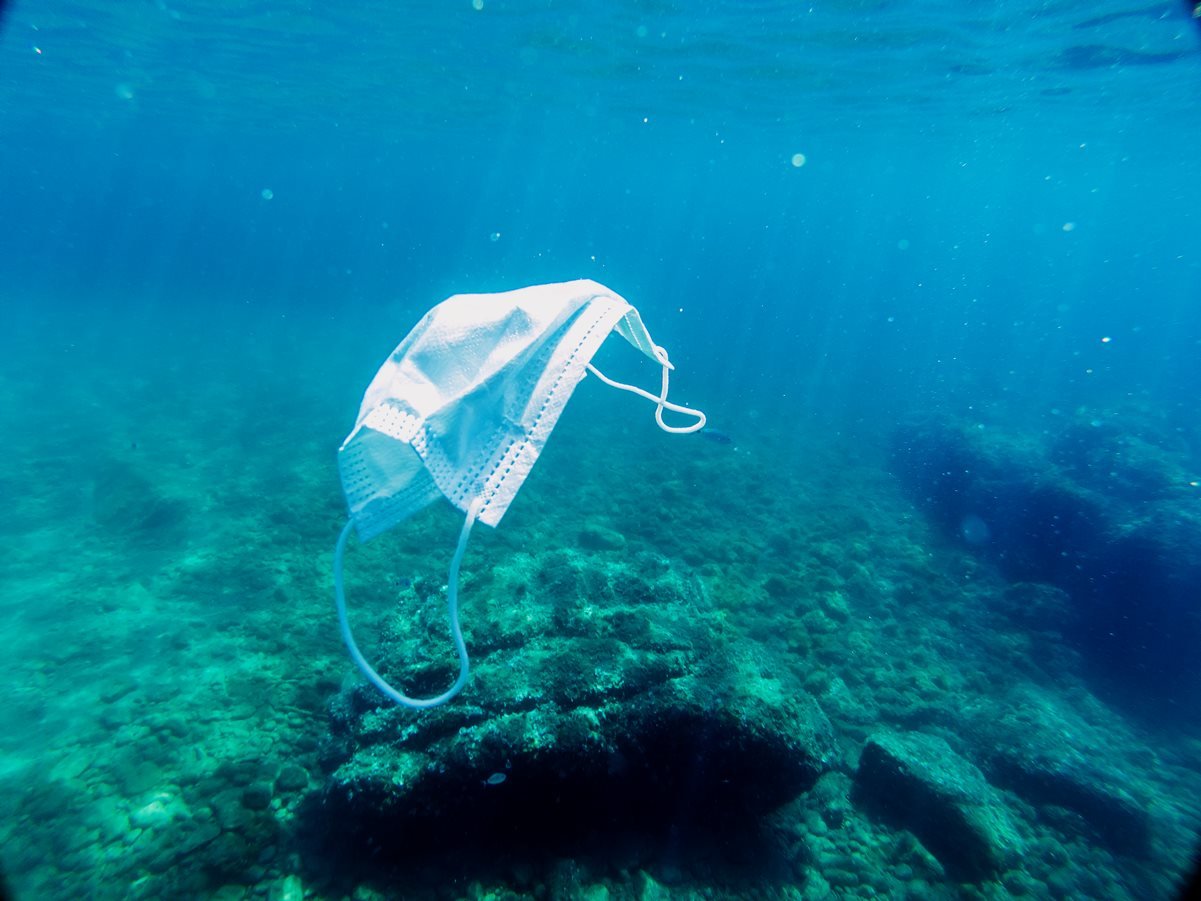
[[661, 401], [452, 597]]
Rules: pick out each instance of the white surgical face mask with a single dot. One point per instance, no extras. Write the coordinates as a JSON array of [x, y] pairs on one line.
[[462, 409]]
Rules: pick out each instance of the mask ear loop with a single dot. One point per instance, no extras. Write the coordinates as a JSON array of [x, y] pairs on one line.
[[661, 401], [452, 597]]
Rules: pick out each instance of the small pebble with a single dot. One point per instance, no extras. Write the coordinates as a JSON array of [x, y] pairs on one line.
[[292, 778], [256, 796]]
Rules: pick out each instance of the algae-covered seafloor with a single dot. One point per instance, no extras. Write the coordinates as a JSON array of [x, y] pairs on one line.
[[777, 666]]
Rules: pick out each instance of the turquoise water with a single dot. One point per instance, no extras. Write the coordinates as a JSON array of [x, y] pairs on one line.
[[931, 269]]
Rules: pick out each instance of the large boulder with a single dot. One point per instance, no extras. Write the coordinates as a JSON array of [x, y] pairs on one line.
[[917, 782], [606, 693], [1082, 771]]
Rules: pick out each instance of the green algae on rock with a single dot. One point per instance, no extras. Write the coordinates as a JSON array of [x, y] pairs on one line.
[[612, 696]]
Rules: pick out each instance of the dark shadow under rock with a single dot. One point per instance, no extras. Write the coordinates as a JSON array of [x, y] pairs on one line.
[[127, 506], [610, 702], [917, 782]]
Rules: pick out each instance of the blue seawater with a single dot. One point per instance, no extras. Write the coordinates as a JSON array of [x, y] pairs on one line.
[[932, 269]]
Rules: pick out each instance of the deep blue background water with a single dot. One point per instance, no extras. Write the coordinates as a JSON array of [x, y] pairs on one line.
[[920, 255]]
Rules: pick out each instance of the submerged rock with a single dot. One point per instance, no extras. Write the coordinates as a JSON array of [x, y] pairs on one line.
[[1109, 516], [292, 778], [127, 506], [1053, 757], [917, 782], [257, 796], [1048, 777], [610, 698]]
